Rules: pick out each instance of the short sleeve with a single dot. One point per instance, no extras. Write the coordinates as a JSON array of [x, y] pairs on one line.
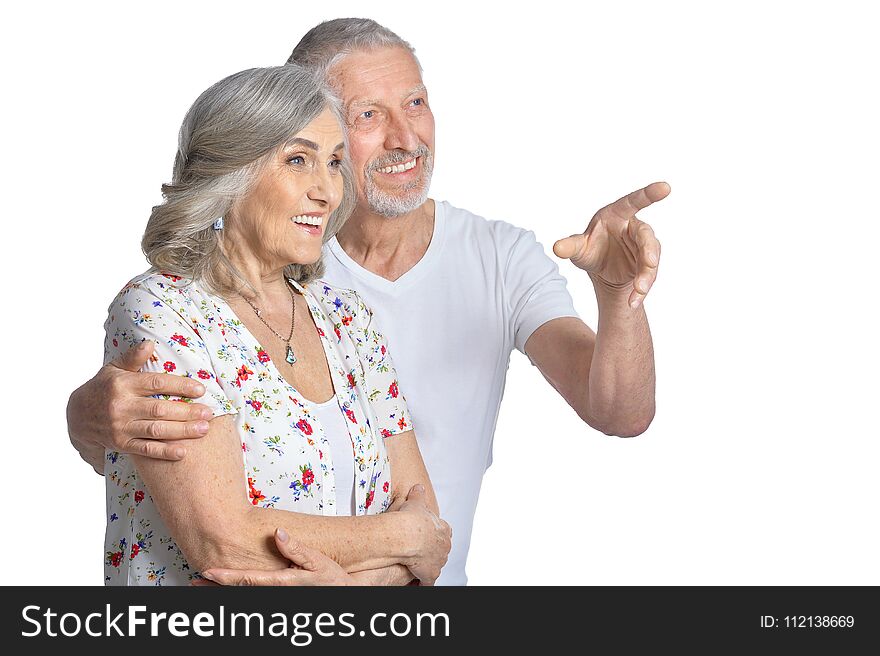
[[536, 291], [380, 377], [141, 312]]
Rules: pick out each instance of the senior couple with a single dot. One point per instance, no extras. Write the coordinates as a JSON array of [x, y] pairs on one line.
[[249, 420]]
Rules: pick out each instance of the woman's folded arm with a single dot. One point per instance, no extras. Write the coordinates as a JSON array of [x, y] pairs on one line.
[[407, 469], [203, 501]]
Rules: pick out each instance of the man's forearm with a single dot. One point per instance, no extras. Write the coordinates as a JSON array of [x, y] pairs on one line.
[[622, 380]]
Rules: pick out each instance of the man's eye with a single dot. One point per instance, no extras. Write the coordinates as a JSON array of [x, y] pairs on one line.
[[418, 102], [368, 114], [335, 163]]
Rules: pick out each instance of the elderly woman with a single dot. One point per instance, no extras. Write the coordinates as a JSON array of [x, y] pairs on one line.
[[310, 435]]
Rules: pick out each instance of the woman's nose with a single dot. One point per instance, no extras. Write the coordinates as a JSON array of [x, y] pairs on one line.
[[323, 189]]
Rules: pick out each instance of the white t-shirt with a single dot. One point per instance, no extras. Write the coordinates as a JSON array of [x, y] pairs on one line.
[[451, 322], [341, 452]]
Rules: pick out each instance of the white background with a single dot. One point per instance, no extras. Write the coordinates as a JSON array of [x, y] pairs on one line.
[[761, 464]]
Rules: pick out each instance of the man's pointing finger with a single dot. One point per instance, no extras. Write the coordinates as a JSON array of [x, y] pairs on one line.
[[627, 206]]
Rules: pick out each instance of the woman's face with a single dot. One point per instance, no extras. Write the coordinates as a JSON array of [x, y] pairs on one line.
[[283, 218]]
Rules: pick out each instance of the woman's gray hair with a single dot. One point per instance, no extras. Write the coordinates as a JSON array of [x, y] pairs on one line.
[[227, 136], [327, 43]]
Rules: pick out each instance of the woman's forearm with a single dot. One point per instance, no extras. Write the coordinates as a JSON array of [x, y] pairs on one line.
[[201, 500], [373, 549], [356, 543], [376, 548], [395, 575]]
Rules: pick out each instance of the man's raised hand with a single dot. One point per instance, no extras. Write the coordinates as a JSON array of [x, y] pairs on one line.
[[617, 249]]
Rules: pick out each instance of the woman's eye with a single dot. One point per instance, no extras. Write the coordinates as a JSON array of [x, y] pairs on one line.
[[298, 160], [418, 102], [368, 114], [335, 163]]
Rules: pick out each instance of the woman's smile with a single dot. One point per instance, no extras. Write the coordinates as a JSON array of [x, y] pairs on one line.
[[311, 223]]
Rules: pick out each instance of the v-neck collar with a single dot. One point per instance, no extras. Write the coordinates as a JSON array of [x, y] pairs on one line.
[[411, 277], [337, 380], [251, 341]]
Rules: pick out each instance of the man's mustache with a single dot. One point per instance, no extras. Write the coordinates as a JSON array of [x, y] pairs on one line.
[[398, 157]]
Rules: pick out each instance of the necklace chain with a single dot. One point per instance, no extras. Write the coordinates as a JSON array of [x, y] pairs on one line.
[[290, 357]]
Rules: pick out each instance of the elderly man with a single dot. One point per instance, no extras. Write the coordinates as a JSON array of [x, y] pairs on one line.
[[455, 293]]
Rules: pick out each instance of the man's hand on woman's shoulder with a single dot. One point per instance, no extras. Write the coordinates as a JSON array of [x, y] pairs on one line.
[[116, 410]]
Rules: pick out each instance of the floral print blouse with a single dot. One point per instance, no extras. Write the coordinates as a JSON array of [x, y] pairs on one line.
[[286, 459]]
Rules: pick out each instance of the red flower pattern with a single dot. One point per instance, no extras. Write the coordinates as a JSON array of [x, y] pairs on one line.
[[242, 374], [255, 494], [169, 366]]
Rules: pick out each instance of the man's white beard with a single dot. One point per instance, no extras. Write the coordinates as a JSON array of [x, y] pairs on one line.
[[410, 198]]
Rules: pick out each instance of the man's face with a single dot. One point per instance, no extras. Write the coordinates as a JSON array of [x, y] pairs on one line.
[[391, 128]]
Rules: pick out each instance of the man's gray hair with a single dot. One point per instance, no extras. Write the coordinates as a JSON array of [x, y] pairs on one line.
[[228, 135], [327, 43]]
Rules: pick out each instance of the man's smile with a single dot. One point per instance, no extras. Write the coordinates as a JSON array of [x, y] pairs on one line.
[[400, 168]]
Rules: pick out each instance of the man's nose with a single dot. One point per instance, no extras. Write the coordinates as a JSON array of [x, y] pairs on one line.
[[400, 134]]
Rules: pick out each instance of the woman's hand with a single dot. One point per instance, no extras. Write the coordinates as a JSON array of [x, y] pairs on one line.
[[430, 536], [309, 567]]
